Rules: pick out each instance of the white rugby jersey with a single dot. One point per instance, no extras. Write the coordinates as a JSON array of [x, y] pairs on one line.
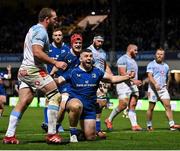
[[159, 72], [129, 64], [37, 35], [99, 57]]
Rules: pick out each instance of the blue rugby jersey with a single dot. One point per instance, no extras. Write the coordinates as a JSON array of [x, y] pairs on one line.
[[83, 84], [55, 52]]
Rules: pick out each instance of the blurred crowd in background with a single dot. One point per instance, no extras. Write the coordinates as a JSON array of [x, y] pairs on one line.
[[137, 21]]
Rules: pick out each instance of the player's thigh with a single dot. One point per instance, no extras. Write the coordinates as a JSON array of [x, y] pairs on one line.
[[25, 98], [102, 102], [36, 78], [49, 86], [123, 102], [65, 97], [152, 95], [89, 128], [166, 103]]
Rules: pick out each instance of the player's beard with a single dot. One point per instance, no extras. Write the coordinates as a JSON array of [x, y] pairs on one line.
[[87, 66], [51, 27]]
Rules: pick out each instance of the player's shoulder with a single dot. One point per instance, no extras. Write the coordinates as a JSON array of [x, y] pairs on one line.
[[90, 47], [38, 32], [38, 28], [153, 62], [65, 52], [65, 46], [123, 58], [75, 69], [166, 65], [97, 70]]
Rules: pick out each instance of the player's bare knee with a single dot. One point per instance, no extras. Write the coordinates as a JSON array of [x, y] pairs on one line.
[[77, 107], [167, 107], [123, 105]]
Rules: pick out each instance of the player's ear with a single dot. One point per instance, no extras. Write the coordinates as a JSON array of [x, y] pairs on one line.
[[80, 58]]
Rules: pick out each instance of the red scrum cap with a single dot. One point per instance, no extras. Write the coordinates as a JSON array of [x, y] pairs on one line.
[[76, 37]]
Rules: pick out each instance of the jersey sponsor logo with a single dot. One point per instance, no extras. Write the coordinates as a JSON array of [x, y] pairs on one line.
[[86, 85]]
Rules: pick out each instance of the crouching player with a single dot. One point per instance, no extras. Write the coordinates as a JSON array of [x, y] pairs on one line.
[[84, 82]]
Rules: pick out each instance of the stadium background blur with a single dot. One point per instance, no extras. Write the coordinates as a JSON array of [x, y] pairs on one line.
[[150, 24]]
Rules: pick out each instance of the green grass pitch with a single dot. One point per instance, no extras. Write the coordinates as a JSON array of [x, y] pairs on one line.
[[32, 136]]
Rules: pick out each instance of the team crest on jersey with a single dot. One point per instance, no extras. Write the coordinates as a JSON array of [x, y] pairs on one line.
[[78, 75], [94, 75]]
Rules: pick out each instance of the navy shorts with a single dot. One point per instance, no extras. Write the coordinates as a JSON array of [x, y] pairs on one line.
[[89, 109]]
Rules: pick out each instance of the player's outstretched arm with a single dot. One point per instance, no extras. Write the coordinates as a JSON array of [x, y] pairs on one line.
[[115, 78]]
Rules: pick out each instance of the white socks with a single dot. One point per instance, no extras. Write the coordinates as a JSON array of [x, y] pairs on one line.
[[52, 120], [171, 123], [113, 114], [13, 120], [149, 123], [132, 117]]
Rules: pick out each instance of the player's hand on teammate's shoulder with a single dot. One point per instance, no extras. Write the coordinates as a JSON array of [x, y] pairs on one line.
[[60, 65]]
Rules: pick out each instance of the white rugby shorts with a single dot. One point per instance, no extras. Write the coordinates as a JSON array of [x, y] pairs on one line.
[[162, 94], [33, 78], [124, 91]]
